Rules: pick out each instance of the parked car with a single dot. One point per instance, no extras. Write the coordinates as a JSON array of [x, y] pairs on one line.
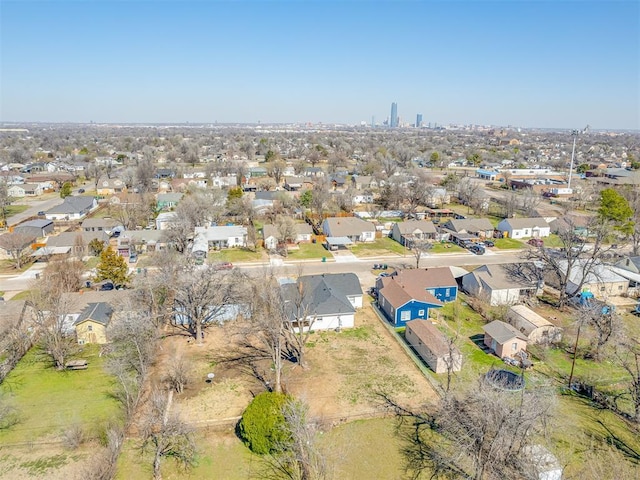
[[536, 242], [476, 249], [489, 243], [81, 190], [133, 258], [41, 214], [107, 286], [224, 266]]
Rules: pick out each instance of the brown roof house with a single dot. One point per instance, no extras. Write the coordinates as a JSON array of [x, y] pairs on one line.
[[406, 233], [504, 339], [432, 346]]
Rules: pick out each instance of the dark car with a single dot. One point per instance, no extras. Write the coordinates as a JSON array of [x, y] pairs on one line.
[[81, 190], [477, 249], [489, 243], [41, 214], [107, 286]]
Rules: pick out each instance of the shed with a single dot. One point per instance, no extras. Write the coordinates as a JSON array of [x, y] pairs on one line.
[[504, 339], [432, 346], [537, 328]]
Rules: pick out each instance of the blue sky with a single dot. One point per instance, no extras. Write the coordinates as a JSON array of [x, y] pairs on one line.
[[545, 64]]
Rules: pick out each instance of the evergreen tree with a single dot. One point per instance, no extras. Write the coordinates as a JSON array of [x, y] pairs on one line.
[[615, 208], [112, 267], [65, 191]]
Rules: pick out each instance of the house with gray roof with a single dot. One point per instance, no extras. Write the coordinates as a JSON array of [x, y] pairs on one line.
[[498, 284], [536, 227], [355, 229], [504, 339], [271, 236], [432, 346], [407, 233], [35, 228], [227, 236], [91, 325], [479, 227], [323, 302], [72, 208], [74, 242]]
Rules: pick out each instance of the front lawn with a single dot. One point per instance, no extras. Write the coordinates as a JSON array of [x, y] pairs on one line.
[[445, 247], [381, 246], [508, 243], [48, 401], [309, 251], [237, 255], [16, 209], [553, 241]]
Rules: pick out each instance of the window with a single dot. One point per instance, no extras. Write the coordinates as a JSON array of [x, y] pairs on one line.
[[447, 292], [90, 328], [421, 313], [514, 346], [405, 316], [602, 289], [620, 287]]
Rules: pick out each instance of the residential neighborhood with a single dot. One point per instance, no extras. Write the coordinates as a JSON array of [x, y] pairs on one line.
[[360, 283]]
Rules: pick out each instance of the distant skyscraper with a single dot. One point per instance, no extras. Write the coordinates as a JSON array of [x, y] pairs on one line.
[[393, 121], [418, 120]]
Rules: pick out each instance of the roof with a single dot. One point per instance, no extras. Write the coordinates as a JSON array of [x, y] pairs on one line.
[[431, 337], [221, 232], [426, 278], [71, 239], [73, 205], [99, 222], [498, 277], [526, 319], [410, 226], [40, 223], [324, 294], [345, 226], [399, 291], [471, 224], [169, 197], [98, 312], [531, 222], [502, 332], [338, 241], [599, 273]]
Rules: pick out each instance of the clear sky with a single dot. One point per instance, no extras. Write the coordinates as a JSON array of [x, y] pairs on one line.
[[524, 63]]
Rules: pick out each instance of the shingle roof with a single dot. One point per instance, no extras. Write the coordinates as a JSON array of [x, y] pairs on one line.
[[532, 222], [98, 312], [498, 277], [503, 332], [471, 224], [400, 289], [324, 294], [70, 239], [73, 205], [345, 226], [410, 226], [431, 337]]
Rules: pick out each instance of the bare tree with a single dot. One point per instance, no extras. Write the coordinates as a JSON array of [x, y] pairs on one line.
[[8, 413], [5, 201], [419, 248], [606, 324], [286, 228], [15, 245], [627, 356], [166, 435], [298, 456], [202, 295], [297, 299], [530, 201]]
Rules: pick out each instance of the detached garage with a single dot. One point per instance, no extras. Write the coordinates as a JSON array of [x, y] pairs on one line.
[[537, 328]]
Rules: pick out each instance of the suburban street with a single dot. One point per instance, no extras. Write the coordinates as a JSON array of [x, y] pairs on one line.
[[35, 206]]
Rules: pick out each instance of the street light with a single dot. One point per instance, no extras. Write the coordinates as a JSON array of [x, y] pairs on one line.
[[575, 134]]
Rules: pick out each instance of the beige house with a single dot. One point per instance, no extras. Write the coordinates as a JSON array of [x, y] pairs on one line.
[[432, 346], [91, 325], [537, 328], [504, 339]]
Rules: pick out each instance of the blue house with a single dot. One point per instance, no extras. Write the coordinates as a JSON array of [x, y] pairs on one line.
[[410, 294]]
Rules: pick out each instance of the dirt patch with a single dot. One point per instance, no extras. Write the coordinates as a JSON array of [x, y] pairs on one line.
[[345, 371]]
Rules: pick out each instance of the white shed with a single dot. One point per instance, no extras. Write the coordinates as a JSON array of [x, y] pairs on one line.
[[534, 326]]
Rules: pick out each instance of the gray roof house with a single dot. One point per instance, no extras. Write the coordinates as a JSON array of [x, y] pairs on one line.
[[73, 208], [536, 227], [270, 234], [497, 285], [35, 228], [323, 302], [408, 232], [480, 227], [223, 236], [355, 229], [76, 242]]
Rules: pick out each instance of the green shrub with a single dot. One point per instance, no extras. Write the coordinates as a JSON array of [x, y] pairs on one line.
[[262, 425]]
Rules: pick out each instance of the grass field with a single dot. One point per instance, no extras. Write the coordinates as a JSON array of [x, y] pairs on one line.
[[237, 255], [7, 267], [49, 401], [24, 295], [309, 251], [445, 248], [508, 243], [381, 246], [15, 209]]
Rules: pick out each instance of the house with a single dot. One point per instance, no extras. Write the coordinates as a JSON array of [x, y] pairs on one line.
[[14, 245], [600, 279], [105, 224], [227, 181], [165, 219], [364, 182], [432, 346], [360, 198], [167, 201], [498, 285], [504, 339], [403, 299], [537, 328], [355, 229], [218, 237], [72, 208], [524, 227], [293, 183], [406, 233], [323, 302], [91, 325], [313, 172], [25, 190], [479, 227], [110, 186], [35, 228], [270, 235], [74, 242]]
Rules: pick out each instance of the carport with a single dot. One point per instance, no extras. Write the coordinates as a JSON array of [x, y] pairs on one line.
[[335, 243]]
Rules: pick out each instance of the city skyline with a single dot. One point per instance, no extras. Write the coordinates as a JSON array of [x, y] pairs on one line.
[[530, 64]]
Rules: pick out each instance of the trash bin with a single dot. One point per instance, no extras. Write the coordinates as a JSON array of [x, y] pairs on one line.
[[324, 259]]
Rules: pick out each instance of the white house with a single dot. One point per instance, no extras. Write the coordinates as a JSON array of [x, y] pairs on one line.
[[73, 208], [227, 236], [356, 229], [496, 285], [270, 234], [536, 227], [25, 190], [164, 220]]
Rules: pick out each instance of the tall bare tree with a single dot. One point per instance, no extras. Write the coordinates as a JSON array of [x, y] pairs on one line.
[[627, 355], [15, 244]]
